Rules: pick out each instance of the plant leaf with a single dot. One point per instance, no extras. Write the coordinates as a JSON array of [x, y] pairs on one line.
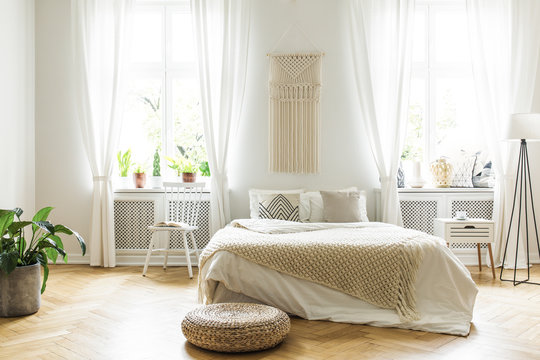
[[62, 230], [51, 253], [17, 225], [57, 240], [45, 225], [48, 244], [18, 212], [21, 245], [41, 215], [80, 240], [6, 219], [42, 258], [8, 261]]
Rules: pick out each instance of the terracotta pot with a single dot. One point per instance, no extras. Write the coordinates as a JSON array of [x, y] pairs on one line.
[[189, 177], [140, 180], [20, 291]]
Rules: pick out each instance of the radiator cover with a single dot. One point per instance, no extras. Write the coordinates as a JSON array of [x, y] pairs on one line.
[[134, 213]]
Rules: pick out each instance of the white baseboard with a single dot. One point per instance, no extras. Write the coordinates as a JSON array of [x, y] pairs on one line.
[[136, 258], [155, 260], [132, 260]]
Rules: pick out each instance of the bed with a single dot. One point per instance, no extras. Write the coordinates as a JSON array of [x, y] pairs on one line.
[[353, 272]]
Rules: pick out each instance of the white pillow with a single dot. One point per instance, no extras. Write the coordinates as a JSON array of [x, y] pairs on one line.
[[463, 168], [304, 209], [254, 199], [317, 205]]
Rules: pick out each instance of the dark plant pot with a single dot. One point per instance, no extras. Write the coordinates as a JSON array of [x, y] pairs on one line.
[[139, 179], [20, 291], [189, 177]]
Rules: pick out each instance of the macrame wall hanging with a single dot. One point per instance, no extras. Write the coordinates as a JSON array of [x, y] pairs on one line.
[[294, 112]]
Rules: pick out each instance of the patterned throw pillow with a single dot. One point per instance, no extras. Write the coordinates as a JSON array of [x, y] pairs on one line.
[[279, 206], [463, 168]]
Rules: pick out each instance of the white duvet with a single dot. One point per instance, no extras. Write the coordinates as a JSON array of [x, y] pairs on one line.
[[445, 292]]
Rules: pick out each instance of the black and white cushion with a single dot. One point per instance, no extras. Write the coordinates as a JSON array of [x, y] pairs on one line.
[[279, 206]]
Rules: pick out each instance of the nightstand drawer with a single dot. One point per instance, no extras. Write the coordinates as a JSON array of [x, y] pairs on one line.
[[470, 232]]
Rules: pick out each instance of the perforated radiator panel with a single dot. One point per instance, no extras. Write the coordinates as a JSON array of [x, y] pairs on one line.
[[419, 214], [132, 218], [202, 235], [478, 209], [131, 221]]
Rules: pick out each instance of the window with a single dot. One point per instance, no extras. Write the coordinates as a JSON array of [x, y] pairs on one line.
[[442, 107], [163, 104]]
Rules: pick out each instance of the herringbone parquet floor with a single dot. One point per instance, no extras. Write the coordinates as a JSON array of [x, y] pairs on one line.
[[96, 313]]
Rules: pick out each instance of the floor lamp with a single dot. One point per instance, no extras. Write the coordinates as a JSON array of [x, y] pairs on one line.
[[522, 127]]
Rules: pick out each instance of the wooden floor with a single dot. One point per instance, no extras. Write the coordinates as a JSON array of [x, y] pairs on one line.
[[96, 313]]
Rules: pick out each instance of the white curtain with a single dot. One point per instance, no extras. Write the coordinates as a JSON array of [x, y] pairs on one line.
[[504, 41], [222, 36], [381, 34], [99, 30]]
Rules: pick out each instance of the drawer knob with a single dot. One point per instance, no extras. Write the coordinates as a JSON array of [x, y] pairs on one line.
[[470, 227]]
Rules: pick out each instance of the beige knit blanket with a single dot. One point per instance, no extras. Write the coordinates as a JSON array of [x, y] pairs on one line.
[[374, 262]]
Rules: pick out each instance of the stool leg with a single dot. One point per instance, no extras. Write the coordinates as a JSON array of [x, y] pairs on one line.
[[479, 257], [149, 253], [188, 257], [167, 247], [491, 259]]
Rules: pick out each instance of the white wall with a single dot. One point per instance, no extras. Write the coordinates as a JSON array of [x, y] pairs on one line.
[[17, 104], [63, 177], [346, 158]]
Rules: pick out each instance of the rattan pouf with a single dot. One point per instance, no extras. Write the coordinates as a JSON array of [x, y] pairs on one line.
[[236, 327]]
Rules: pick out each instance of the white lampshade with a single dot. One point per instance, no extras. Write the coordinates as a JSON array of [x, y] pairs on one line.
[[523, 126]]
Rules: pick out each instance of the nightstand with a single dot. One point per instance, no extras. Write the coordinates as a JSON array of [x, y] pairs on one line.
[[470, 231]]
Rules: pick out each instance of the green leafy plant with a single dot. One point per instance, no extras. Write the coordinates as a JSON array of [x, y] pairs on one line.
[[157, 164], [182, 165], [139, 169], [204, 168], [18, 248], [124, 162]]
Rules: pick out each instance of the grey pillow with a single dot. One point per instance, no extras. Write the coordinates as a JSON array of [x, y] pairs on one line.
[[341, 206]]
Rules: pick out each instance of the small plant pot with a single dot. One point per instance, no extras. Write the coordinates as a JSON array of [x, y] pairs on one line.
[[123, 182], [139, 179], [155, 182], [20, 291], [189, 177]]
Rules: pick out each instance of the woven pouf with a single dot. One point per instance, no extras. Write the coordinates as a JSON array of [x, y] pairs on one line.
[[236, 327]]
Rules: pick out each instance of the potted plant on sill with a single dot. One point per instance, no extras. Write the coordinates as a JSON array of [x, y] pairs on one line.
[[22, 254], [139, 177], [184, 168], [155, 180], [124, 164], [204, 168]]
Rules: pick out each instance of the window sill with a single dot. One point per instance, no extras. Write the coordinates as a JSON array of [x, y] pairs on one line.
[[441, 190], [148, 190]]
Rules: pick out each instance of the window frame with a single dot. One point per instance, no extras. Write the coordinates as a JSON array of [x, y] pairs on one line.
[[429, 71], [166, 70]]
